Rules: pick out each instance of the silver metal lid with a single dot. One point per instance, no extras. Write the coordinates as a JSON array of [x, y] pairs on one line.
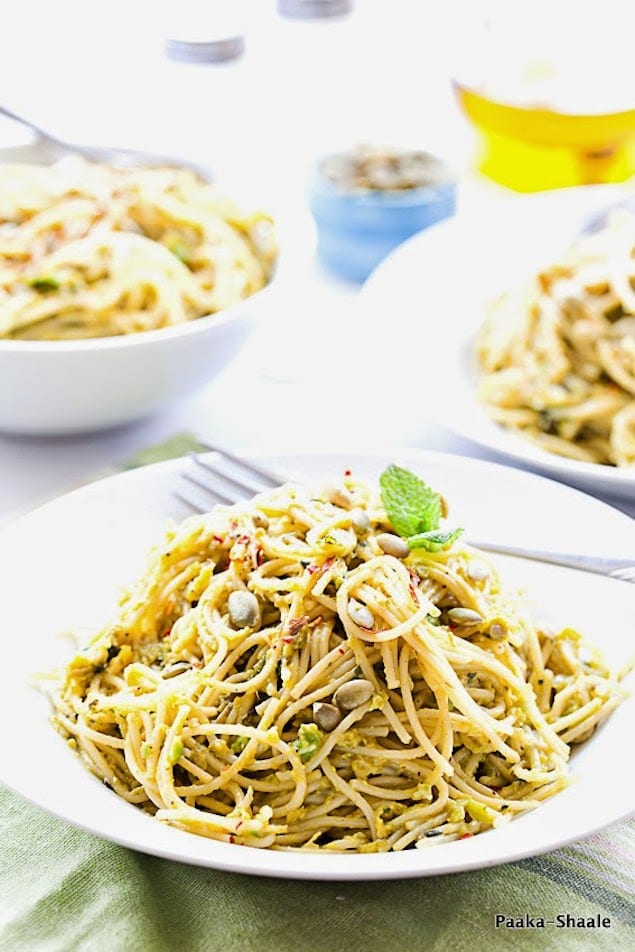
[[313, 9], [205, 51]]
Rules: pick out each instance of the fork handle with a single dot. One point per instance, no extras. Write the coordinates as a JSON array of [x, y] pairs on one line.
[[585, 563], [28, 124]]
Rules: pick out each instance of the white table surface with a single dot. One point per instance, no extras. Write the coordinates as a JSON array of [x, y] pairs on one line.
[[299, 89]]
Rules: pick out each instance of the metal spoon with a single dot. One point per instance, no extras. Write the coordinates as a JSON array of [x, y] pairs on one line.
[[107, 154], [600, 220]]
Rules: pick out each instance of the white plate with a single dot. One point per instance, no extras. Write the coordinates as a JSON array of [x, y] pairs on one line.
[[62, 568], [434, 288]]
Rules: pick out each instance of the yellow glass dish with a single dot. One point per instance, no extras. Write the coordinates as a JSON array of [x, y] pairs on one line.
[[531, 148]]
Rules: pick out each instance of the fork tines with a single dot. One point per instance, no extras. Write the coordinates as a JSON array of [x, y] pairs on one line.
[[624, 575], [223, 477]]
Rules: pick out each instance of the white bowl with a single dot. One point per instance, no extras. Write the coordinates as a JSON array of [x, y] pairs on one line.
[[51, 387], [56, 387]]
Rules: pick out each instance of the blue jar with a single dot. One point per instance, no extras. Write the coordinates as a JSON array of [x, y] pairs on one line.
[[357, 228]]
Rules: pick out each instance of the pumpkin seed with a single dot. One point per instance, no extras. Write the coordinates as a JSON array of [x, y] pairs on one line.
[[464, 616], [393, 545], [350, 695], [326, 716], [244, 610], [361, 615]]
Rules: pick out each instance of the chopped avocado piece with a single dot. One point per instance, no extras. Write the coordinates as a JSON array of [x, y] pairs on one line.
[[478, 811], [238, 744], [45, 283], [177, 751], [309, 741], [181, 251]]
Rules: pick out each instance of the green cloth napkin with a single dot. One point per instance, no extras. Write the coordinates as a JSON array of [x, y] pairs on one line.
[[62, 890]]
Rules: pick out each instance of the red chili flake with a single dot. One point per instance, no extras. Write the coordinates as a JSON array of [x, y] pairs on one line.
[[238, 825], [342, 650], [296, 623], [232, 838], [465, 836], [348, 472], [218, 539], [168, 632], [312, 569], [260, 556], [288, 639], [244, 538]]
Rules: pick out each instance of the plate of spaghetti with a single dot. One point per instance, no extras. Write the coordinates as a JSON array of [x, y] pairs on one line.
[[539, 337], [326, 680]]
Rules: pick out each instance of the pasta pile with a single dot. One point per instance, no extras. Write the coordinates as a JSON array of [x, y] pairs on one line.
[[558, 355], [288, 674], [89, 250]]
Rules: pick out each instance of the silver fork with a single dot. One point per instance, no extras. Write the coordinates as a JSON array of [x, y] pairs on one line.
[[111, 155], [221, 476]]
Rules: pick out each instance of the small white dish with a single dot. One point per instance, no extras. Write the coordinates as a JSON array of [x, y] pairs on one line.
[[63, 567], [433, 291], [78, 386]]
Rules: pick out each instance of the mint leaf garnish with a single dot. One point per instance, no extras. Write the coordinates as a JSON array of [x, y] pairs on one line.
[[411, 506], [435, 540], [414, 510]]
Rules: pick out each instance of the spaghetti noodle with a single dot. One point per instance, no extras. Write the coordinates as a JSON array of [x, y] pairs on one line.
[[558, 355], [89, 250], [278, 679]]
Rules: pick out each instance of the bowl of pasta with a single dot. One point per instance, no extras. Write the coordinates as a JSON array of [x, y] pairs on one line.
[[121, 289]]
